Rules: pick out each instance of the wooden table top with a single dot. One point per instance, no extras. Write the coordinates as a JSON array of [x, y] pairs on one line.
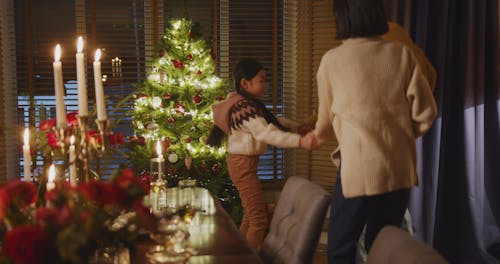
[[213, 235]]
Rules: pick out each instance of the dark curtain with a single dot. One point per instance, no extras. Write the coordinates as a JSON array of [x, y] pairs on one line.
[[456, 207]]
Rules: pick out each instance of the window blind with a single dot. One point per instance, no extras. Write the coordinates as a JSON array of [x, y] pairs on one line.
[[118, 27], [9, 132], [315, 35], [253, 29]]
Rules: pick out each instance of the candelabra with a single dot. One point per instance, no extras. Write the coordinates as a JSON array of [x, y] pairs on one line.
[[87, 149]]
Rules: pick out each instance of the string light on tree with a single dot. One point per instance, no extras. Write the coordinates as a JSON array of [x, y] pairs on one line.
[[176, 97]]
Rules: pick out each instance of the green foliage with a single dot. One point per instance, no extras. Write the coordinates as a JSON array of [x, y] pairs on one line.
[[173, 105]]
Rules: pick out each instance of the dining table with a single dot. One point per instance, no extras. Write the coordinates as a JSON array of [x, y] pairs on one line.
[[213, 235]]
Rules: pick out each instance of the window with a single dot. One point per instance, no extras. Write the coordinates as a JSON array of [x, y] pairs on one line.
[[287, 37]]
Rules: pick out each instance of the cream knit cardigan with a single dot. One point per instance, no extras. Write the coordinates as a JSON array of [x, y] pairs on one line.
[[375, 99]]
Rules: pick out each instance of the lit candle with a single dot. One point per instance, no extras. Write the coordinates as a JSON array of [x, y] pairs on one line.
[[52, 176], [59, 87], [27, 155], [72, 162], [160, 159], [99, 92], [83, 109]]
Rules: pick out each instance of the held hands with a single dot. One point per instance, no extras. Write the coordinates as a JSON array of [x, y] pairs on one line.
[[309, 141], [308, 125]]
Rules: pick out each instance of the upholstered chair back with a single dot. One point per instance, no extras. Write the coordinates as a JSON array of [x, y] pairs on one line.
[[296, 223], [394, 245]]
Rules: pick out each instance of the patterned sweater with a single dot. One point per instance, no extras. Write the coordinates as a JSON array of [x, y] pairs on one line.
[[375, 99], [247, 129]]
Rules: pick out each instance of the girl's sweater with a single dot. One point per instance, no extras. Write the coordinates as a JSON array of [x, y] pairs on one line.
[[248, 132]]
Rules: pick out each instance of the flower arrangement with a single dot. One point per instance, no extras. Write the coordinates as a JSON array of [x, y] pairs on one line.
[[49, 141], [68, 224]]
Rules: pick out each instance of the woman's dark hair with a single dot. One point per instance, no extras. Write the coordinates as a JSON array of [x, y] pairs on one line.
[[359, 18], [245, 69]]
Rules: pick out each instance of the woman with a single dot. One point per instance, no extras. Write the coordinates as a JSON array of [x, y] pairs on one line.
[[375, 99]]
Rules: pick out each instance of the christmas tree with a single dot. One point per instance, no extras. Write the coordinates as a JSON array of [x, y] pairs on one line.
[[173, 106]]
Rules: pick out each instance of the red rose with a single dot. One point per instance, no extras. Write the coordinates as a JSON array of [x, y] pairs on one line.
[[72, 119], [100, 192], [188, 140], [94, 138], [146, 218], [167, 95], [170, 120], [112, 139], [125, 178], [145, 182], [53, 216], [4, 203], [27, 244], [190, 57], [198, 72], [52, 140], [19, 194], [47, 125], [120, 139]]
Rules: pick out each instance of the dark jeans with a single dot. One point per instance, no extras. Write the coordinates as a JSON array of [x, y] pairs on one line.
[[349, 216]]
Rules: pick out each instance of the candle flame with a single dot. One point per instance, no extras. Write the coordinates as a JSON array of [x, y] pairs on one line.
[[158, 148], [72, 140], [57, 55], [79, 44], [52, 173], [97, 54], [26, 136]]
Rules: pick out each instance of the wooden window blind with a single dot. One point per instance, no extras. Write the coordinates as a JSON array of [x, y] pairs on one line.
[[253, 29], [315, 34], [9, 132], [119, 27]]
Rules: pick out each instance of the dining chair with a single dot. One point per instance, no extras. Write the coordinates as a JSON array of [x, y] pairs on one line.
[[296, 223], [394, 245]]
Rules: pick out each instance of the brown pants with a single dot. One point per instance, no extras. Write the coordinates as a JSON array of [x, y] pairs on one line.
[[243, 172]]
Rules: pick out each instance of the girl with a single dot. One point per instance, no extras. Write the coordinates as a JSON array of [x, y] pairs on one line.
[[249, 127], [375, 99]]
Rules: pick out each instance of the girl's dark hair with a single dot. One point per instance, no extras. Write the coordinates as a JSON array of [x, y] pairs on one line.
[[245, 69], [359, 18]]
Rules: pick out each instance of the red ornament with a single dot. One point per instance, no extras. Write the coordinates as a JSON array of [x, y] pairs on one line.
[[196, 99], [215, 168], [171, 170], [190, 57], [165, 144], [179, 108], [178, 64], [203, 166], [198, 72], [170, 120], [167, 96]]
